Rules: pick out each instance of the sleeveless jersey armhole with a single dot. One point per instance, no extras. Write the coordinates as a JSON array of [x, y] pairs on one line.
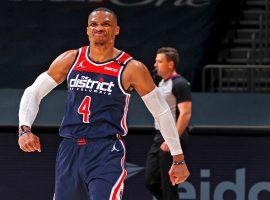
[[75, 61], [126, 92]]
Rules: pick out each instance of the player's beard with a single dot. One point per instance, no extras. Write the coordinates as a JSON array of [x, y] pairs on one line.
[[98, 43]]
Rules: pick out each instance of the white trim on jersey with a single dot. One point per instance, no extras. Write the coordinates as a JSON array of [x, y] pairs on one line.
[[75, 63], [119, 83], [127, 60], [101, 64], [124, 118], [119, 185], [118, 57]]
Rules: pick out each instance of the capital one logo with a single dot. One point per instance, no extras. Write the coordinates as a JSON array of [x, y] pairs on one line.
[[193, 3], [238, 187], [127, 3]]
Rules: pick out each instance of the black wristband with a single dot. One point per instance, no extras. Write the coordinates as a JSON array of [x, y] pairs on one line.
[[179, 163], [23, 130]]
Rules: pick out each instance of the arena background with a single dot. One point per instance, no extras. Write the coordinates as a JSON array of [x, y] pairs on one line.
[[228, 152]]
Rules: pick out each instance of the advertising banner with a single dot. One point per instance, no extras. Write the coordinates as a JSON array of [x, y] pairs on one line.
[[35, 32], [221, 167]]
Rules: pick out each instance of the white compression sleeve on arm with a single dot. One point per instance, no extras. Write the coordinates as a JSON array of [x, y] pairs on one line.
[[160, 110], [32, 96]]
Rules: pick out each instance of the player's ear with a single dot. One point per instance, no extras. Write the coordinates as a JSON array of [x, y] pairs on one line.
[[117, 30], [88, 30], [171, 64]]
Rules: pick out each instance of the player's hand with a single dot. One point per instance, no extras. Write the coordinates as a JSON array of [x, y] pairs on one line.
[[178, 173], [29, 142], [164, 147]]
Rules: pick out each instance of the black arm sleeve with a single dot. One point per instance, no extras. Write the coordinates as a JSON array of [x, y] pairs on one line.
[[181, 90]]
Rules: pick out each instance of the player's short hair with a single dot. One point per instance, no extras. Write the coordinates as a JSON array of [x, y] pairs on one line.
[[171, 54], [105, 10]]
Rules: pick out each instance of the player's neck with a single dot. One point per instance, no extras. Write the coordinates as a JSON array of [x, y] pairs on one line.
[[102, 53]]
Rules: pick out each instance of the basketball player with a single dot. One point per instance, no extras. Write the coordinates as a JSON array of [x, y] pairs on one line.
[[90, 162]]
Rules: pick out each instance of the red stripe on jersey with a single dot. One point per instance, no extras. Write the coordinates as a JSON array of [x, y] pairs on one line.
[[124, 57], [124, 119], [120, 182], [117, 189], [84, 49], [111, 69], [81, 57]]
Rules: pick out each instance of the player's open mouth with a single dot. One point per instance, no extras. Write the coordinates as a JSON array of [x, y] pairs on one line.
[[99, 34]]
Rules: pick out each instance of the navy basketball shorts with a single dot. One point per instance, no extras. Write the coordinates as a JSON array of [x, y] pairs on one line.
[[90, 169]]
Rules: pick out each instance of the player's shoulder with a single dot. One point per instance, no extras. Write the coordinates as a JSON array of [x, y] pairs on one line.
[[66, 58], [69, 54], [134, 70], [136, 65]]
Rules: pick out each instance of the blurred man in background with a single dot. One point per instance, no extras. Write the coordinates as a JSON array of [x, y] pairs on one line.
[[177, 93]]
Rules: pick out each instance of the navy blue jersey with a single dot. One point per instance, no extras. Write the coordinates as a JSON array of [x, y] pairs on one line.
[[97, 103]]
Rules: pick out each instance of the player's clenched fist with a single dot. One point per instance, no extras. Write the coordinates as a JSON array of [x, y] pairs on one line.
[[28, 141], [178, 173]]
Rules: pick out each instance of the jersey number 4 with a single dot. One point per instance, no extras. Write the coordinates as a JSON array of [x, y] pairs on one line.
[[84, 109]]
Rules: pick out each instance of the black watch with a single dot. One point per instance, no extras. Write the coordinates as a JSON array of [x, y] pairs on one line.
[[23, 130], [179, 163]]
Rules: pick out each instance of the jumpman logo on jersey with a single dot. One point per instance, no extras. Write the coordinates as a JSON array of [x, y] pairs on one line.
[[114, 148], [81, 64]]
